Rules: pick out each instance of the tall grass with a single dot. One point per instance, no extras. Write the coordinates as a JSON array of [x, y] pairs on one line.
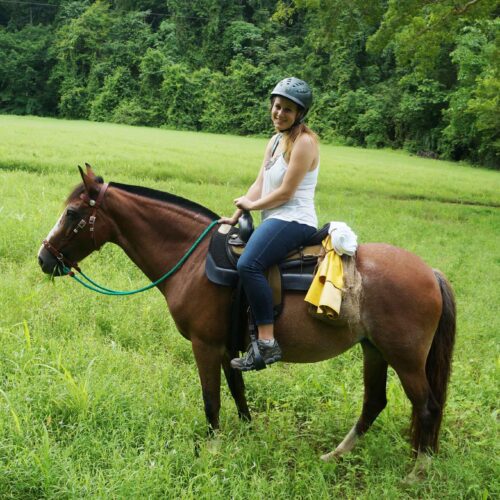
[[99, 396]]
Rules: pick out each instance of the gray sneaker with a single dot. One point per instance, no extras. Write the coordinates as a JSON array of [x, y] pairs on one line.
[[269, 350]]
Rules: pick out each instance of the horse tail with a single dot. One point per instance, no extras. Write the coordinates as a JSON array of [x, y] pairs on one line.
[[438, 365]]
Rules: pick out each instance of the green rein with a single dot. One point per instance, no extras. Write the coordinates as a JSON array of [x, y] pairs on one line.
[[92, 285]]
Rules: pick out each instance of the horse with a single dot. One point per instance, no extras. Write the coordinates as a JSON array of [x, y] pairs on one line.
[[407, 309]]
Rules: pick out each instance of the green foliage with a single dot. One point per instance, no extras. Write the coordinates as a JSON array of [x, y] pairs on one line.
[[25, 64], [473, 116], [98, 61], [132, 112], [445, 52], [182, 94], [116, 88], [148, 104], [242, 38], [415, 74], [238, 102], [419, 111]]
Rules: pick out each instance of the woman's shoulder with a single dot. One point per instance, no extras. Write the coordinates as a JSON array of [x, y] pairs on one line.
[[307, 142]]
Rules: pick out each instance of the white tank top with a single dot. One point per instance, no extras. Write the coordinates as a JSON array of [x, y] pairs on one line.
[[299, 208]]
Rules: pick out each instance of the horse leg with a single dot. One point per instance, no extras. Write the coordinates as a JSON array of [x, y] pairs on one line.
[[426, 413], [237, 387], [375, 379], [208, 360]]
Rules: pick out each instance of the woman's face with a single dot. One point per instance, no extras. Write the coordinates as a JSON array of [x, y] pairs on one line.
[[284, 113]]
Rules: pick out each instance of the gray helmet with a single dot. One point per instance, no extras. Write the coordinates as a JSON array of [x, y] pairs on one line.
[[296, 90]]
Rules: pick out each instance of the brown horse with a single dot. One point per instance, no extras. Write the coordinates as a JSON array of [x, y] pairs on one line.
[[407, 315]]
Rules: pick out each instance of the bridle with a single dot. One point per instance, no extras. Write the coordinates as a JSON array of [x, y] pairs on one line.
[[94, 204], [66, 265]]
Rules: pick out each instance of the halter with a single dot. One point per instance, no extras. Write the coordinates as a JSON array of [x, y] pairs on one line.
[[95, 204]]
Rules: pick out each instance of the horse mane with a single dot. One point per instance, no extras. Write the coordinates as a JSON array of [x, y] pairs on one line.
[[168, 198], [152, 194]]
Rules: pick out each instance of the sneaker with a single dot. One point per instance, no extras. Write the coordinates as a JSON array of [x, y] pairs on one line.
[[269, 350]]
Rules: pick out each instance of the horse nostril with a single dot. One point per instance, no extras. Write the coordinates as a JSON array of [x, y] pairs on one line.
[[40, 261]]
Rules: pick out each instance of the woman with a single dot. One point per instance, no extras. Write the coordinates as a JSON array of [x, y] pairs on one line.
[[284, 191]]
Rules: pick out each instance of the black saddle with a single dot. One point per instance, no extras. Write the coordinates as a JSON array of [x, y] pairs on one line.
[[228, 243]]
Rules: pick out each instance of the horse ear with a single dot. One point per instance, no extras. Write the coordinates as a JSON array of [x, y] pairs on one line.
[[88, 181], [92, 175], [90, 172]]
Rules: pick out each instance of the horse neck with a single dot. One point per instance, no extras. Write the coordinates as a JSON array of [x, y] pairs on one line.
[[154, 234]]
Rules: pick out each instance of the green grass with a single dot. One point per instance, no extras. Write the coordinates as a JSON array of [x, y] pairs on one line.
[[99, 396]]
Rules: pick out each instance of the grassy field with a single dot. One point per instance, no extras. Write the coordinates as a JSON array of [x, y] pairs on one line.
[[99, 396]]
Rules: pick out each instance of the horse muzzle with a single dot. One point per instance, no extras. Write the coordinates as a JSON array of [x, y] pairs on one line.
[[48, 263]]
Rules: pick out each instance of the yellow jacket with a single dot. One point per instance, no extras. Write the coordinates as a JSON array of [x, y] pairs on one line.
[[325, 291]]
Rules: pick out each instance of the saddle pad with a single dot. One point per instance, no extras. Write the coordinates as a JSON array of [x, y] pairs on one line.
[[220, 268]]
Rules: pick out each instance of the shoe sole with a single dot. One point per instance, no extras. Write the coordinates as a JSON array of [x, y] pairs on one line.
[[273, 360], [250, 368]]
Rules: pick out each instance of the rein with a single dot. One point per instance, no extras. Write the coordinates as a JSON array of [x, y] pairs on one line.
[[66, 264], [95, 287]]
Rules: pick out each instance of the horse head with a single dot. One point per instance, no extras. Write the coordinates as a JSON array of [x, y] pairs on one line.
[[74, 235]]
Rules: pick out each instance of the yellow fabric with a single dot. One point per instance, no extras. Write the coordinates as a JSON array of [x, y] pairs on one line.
[[325, 290]]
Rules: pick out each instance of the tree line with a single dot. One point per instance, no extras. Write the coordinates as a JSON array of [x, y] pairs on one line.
[[413, 74]]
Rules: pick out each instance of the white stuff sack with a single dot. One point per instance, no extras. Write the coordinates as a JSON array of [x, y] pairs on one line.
[[344, 241]]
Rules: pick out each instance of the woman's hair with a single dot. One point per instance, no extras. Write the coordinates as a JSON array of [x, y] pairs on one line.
[[291, 136]]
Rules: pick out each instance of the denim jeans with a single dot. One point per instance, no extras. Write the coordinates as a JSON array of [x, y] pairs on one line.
[[268, 245]]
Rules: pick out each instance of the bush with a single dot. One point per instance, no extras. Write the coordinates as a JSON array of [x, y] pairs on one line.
[[73, 99], [473, 117], [239, 102], [183, 96], [25, 64], [116, 88], [132, 112]]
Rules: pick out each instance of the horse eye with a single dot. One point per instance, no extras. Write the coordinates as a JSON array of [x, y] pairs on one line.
[[72, 214]]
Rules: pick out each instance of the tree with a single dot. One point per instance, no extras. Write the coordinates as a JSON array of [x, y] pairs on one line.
[[418, 74], [25, 62], [473, 117]]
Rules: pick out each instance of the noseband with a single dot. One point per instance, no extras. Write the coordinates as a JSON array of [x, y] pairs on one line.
[[95, 204]]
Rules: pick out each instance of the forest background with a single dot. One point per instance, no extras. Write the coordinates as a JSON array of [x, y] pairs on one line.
[[415, 74]]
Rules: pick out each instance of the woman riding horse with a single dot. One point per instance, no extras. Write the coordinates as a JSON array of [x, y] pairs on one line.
[[284, 191]]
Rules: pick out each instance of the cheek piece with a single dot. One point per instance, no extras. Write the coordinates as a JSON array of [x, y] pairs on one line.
[[94, 204]]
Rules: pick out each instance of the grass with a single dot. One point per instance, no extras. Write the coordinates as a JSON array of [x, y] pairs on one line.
[[99, 396]]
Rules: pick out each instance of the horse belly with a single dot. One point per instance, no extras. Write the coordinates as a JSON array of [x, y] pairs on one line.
[[304, 339]]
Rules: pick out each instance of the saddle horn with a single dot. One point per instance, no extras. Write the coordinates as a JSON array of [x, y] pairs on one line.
[[245, 222]]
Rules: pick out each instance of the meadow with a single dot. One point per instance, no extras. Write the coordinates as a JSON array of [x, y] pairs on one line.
[[99, 396]]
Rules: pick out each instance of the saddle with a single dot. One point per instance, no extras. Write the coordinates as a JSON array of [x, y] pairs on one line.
[[295, 272]]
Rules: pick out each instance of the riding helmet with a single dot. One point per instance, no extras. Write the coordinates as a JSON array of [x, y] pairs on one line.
[[296, 90]]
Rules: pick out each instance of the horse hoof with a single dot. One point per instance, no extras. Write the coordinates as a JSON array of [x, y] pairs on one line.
[[420, 470], [214, 446], [330, 456], [412, 479]]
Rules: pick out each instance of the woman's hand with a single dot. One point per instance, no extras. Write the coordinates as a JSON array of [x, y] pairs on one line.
[[244, 203], [228, 220], [231, 220]]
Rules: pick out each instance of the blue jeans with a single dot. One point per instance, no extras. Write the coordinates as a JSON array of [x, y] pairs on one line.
[[267, 246]]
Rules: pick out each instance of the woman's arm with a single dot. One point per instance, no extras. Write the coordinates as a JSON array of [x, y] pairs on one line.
[[301, 161]]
